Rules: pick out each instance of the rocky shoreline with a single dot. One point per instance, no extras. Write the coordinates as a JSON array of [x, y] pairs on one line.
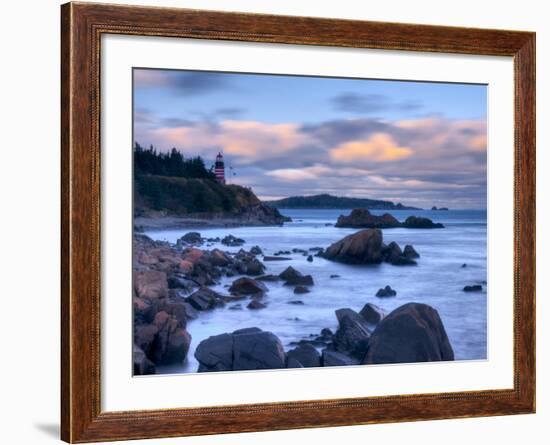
[[253, 215], [172, 288]]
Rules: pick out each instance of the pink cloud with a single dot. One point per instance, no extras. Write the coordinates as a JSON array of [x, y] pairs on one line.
[[379, 147]]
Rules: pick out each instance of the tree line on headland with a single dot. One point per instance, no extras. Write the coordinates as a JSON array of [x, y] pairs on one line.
[[151, 162]]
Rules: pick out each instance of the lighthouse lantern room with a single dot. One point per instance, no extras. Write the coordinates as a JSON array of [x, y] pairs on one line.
[[219, 169]]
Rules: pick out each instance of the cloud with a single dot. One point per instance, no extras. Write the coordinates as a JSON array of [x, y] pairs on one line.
[[424, 162], [370, 103], [246, 141], [189, 83], [380, 147]]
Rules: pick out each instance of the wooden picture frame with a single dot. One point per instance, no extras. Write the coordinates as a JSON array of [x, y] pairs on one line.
[[82, 26]]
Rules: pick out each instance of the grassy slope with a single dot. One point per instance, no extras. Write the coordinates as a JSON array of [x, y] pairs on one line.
[[183, 196]]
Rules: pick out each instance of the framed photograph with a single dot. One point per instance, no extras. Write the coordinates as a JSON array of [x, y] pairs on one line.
[[274, 222]]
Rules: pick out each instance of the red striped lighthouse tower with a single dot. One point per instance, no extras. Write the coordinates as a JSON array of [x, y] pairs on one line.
[[219, 169]]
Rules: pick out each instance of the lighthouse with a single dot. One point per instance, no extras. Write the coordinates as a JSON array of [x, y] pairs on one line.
[[219, 169]]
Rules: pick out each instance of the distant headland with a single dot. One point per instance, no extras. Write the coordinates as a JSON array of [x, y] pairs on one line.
[[326, 201]]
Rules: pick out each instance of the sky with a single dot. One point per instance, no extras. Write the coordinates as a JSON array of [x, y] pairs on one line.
[[418, 143]]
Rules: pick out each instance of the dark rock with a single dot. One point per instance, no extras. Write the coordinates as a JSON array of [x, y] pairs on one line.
[[316, 249], [386, 292], [205, 299], [410, 252], [296, 250], [232, 241], [142, 365], [276, 258], [335, 358], [171, 343], [190, 238], [411, 333], [372, 313], [257, 350], [352, 335], [247, 286], [301, 290], [362, 219], [235, 307], [293, 363], [268, 278], [392, 252], [326, 334], [464, 265], [363, 247], [219, 258], [310, 258], [255, 267], [297, 302], [419, 222], [256, 250], [289, 273], [305, 354], [304, 280], [403, 261], [473, 288], [255, 304], [215, 353], [335, 276], [262, 214]]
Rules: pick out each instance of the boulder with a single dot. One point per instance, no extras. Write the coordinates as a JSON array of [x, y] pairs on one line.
[[410, 252], [473, 288], [335, 358], [293, 363], [220, 258], [310, 258], [205, 299], [372, 313], [306, 355], [276, 258], [215, 353], [419, 222], [363, 219], [403, 261], [190, 238], [301, 290], [255, 304], [255, 267], [363, 247], [392, 252], [151, 284], [411, 333], [268, 278], [296, 302], [256, 349], [142, 365], [289, 273], [353, 333], [256, 250], [232, 241], [171, 343], [304, 280], [386, 292], [247, 286], [244, 349]]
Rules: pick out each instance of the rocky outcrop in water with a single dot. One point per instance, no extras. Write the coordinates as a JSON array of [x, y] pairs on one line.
[[366, 247], [417, 222], [362, 219]]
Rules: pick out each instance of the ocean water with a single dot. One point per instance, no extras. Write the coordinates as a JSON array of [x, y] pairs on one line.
[[438, 279]]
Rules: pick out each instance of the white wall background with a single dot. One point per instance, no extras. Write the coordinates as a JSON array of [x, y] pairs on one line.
[[29, 227]]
